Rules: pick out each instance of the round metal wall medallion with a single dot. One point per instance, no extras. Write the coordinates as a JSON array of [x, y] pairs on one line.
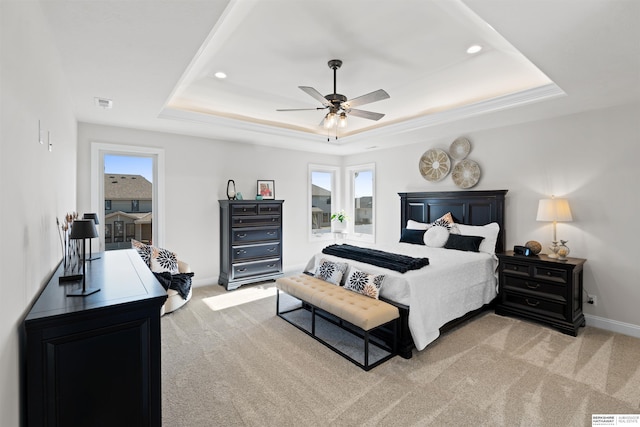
[[434, 164]]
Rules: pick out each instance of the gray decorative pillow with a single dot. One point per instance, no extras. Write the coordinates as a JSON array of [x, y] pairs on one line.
[[436, 236], [331, 272], [364, 283]]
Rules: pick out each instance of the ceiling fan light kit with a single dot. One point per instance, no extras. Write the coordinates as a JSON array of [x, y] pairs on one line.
[[339, 105]]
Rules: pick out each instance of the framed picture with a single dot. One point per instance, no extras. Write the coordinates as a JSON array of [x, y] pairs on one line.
[[267, 189]]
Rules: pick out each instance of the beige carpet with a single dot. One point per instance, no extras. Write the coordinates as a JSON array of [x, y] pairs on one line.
[[228, 360]]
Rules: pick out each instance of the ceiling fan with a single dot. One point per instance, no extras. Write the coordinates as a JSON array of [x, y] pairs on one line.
[[339, 106]]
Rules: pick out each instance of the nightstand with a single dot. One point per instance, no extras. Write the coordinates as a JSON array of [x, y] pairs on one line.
[[542, 289]]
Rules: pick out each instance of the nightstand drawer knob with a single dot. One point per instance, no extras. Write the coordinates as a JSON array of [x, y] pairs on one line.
[[548, 273], [532, 285], [515, 268], [532, 304]]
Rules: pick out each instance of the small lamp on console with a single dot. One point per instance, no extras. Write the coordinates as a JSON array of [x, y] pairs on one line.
[[555, 210], [83, 229], [94, 217]]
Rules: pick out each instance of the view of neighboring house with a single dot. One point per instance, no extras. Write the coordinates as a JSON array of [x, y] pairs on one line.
[[128, 210], [320, 209]]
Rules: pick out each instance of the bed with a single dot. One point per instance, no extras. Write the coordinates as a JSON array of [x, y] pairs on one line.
[[456, 285]]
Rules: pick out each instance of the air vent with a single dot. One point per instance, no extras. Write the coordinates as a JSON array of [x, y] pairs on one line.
[[104, 103]]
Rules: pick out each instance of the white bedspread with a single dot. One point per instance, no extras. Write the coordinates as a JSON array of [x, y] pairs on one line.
[[453, 284]]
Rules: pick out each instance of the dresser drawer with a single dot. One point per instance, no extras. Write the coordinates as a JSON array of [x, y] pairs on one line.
[[261, 250], [249, 209], [255, 221], [256, 268], [550, 273], [529, 303], [249, 235], [533, 285], [270, 208]]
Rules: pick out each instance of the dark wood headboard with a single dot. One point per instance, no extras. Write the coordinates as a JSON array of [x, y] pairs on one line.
[[466, 207]]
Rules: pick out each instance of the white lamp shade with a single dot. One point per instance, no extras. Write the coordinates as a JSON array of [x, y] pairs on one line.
[[554, 210]]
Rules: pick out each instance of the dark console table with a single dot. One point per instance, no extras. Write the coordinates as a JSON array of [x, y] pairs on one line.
[[95, 361]]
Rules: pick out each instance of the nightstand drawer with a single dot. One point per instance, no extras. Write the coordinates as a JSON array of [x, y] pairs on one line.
[[548, 273], [533, 304], [533, 285], [516, 268]]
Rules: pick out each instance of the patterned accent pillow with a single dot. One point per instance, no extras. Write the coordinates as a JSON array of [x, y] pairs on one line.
[[143, 250], [447, 222], [363, 283], [163, 260], [331, 272]]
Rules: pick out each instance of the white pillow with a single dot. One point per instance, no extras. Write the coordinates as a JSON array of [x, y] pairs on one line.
[[415, 225], [436, 236], [489, 232]]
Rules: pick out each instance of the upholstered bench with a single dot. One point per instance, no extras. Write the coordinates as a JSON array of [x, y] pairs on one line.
[[362, 312]]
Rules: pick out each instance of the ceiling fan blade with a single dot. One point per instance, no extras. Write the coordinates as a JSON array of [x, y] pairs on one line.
[[365, 114], [315, 94], [377, 95], [301, 109]]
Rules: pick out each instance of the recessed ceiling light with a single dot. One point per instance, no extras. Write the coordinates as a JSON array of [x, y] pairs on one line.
[[474, 49], [220, 75]]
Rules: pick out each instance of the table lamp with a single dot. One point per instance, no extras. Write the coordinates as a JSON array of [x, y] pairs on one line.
[[83, 229], [555, 210], [94, 217]]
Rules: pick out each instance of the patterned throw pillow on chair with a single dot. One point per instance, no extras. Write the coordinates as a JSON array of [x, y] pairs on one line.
[[143, 250], [163, 260], [157, 259], [331, 272], [363, 283]]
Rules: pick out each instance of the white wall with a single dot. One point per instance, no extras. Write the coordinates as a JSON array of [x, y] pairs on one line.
[[589, 158], [196, 174], [36, 185]]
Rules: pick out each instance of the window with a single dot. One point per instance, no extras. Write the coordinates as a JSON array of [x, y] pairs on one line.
[[323, 184], [361, 202], [146, 182]]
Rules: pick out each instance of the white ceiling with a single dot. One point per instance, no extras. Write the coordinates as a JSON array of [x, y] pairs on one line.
[[156, 60]]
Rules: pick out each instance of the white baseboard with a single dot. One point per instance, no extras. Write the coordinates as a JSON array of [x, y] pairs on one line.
[[613, 325]]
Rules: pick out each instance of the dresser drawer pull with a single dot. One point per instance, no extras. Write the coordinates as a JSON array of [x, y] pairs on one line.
[[241, 270], [548, 273], [514, 267], [241, 252], [271, 265], [532, 286], [271, 249], [271, 233], [532, 304], [241, 235], [274, 219], [244, 209]]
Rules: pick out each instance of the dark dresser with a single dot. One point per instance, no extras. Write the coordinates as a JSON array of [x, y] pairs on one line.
[[250, 241], [542, 289], [95, 360]]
